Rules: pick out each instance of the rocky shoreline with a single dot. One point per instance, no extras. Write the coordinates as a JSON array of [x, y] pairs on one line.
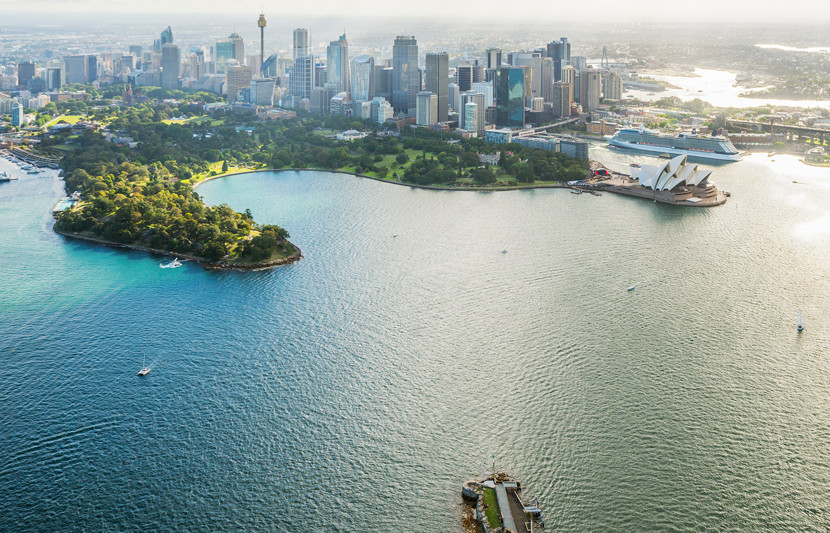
[[210, 265]]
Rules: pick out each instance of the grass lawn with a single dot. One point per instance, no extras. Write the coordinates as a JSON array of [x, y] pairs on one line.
[[63, 147], [491, 510], [323, 132]]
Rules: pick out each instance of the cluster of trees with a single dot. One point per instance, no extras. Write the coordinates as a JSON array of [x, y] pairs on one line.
[[142, 196]]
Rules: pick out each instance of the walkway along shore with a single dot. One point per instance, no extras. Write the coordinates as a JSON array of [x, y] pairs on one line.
[[213, 265], [598, 184]]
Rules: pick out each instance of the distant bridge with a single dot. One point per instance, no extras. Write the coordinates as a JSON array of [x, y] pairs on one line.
[[792, 133]]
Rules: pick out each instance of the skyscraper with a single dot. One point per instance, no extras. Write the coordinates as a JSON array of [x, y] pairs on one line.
[[562, 98], [171, 62], [75, 69], [405, 75], [167, 36], [301, 79], [427, 108], [362, 73], [589, 89], [91, 68], [493, 58], [542, 78], [480, 108], [337, 55], [464, 74], [300, 43], [25, 72], [239, 77], [437, 81], [560, 52], [238, 47], [510, 97]]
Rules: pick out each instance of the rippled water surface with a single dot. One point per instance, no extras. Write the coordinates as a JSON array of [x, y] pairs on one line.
[[356, 389]]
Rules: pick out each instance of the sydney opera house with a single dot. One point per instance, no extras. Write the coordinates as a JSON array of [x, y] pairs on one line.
[[676, 182]]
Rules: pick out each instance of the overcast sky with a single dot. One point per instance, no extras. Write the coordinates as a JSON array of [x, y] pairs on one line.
[[808, 11]]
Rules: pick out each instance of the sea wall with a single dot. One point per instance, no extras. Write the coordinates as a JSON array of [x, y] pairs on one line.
[[218, 265]]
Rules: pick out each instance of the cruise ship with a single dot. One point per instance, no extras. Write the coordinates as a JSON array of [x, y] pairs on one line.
[[691, 144]]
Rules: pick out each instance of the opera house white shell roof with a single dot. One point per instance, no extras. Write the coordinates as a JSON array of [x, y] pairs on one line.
[[671, 175]]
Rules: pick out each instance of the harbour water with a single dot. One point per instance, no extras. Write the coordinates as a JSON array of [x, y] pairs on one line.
[[356, 389], [719, 88]]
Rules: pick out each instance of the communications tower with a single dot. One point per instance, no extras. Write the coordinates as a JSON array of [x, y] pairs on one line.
[[261, 23]]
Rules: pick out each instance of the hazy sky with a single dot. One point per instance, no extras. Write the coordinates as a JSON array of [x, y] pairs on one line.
[[808, 11]]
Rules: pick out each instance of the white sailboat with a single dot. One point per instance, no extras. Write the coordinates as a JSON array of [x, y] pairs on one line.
[[800, 323], [146, 370]]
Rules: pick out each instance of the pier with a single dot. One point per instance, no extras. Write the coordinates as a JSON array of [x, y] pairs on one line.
[[499, 506]]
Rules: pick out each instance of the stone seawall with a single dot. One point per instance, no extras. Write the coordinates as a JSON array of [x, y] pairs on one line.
[[218, 265]]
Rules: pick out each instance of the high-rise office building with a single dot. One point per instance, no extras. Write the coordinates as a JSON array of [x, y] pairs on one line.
[[337, 54], [238, 47], [464, 77], [406, 78], [362, 74], [300, 48], [510, 97], [478, 100], [611, 86], [167, 36], [25, 72], [223, 52], [493, 62], [493, 58], [262, 91], [562, 98], [238, 78], [74, 69], [437, 81], [560, 52], [485, 88], [171, 63], [54, 78], [301, 79], [542, 78], [91, 68], [383, 82], [427, 108], [135, 50], [590, 87], [454, 97]]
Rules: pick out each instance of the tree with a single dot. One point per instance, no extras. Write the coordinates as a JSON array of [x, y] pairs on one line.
[[225, 165], [402, 158]]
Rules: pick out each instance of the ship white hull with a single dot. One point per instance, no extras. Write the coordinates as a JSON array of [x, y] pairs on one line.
[[698, 154]]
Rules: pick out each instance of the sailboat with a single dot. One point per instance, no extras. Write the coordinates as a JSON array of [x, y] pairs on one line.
[[146, 370], [800, 323]]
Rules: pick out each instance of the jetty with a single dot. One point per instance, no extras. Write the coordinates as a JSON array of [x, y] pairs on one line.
[[501, 507]]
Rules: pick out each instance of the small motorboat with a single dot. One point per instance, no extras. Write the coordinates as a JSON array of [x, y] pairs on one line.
[[630, 288], [175, 263], [800, 322], [504, 251]]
